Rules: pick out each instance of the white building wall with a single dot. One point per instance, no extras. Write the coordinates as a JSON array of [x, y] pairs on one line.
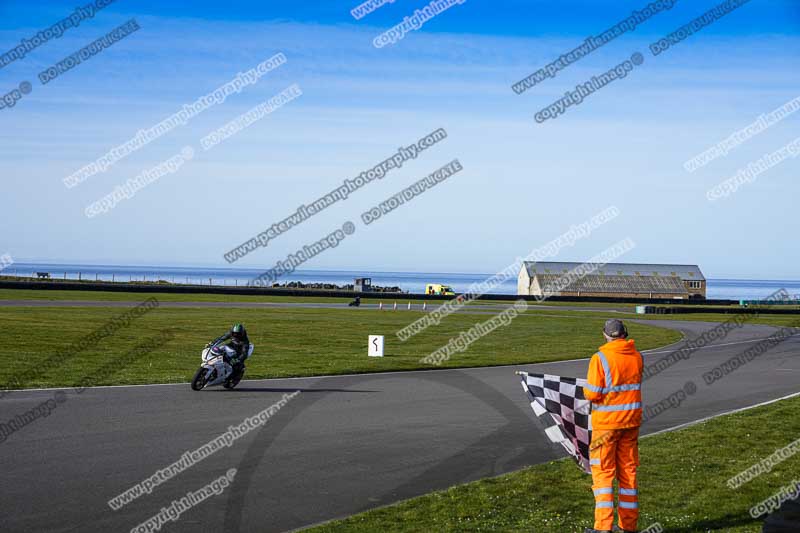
[[523, 282]]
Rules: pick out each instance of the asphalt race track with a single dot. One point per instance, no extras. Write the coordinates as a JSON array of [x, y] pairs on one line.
[[343, 445]]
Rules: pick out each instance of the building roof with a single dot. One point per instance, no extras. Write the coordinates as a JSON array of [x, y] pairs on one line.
[[613, 284], [686, 272]]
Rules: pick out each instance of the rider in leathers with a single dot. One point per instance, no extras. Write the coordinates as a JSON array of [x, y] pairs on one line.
[[240, 344]]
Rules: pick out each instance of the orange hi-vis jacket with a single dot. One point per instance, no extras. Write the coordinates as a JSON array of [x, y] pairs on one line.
[[615, 386]]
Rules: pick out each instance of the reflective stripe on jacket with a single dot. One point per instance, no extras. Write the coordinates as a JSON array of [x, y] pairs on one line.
[[615, 386]]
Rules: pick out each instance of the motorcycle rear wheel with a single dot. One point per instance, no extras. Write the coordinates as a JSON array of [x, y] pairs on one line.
[[234, 380], [199, 379]]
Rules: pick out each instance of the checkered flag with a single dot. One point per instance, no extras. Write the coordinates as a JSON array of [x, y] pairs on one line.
[[560, 399]]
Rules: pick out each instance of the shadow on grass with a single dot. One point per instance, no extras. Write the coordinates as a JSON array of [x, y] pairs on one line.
[[718, 524]]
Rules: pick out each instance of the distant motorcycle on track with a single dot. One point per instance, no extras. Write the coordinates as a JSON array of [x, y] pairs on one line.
[[216, 370]]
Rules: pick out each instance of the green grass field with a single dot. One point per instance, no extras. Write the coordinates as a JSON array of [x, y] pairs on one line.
[[682, 485], [289, 342], [297, 341]]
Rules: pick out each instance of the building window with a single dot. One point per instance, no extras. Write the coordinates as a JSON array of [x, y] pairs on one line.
[[695, 285]]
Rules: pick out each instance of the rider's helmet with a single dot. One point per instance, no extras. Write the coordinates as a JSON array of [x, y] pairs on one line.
[[237, 332]]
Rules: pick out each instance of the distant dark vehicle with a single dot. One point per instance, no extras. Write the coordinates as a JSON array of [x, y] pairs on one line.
[[43, 275], [356, 302]]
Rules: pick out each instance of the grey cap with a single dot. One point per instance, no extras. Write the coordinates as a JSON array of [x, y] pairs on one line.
[[614, 328]]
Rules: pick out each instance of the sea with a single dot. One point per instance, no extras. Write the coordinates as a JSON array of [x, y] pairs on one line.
[[413, 282]]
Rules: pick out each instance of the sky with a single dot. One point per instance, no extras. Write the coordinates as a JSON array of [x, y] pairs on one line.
[[523, 182]]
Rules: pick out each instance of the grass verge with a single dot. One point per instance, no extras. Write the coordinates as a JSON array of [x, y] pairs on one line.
[[682, 485], [289, 342]]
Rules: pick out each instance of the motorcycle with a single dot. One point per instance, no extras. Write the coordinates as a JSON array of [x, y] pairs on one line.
[[215, 370]]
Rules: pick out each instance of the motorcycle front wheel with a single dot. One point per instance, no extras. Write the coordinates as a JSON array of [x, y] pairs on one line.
[[199, 379]]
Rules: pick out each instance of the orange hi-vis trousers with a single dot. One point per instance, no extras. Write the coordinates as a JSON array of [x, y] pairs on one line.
[[615, 453]]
